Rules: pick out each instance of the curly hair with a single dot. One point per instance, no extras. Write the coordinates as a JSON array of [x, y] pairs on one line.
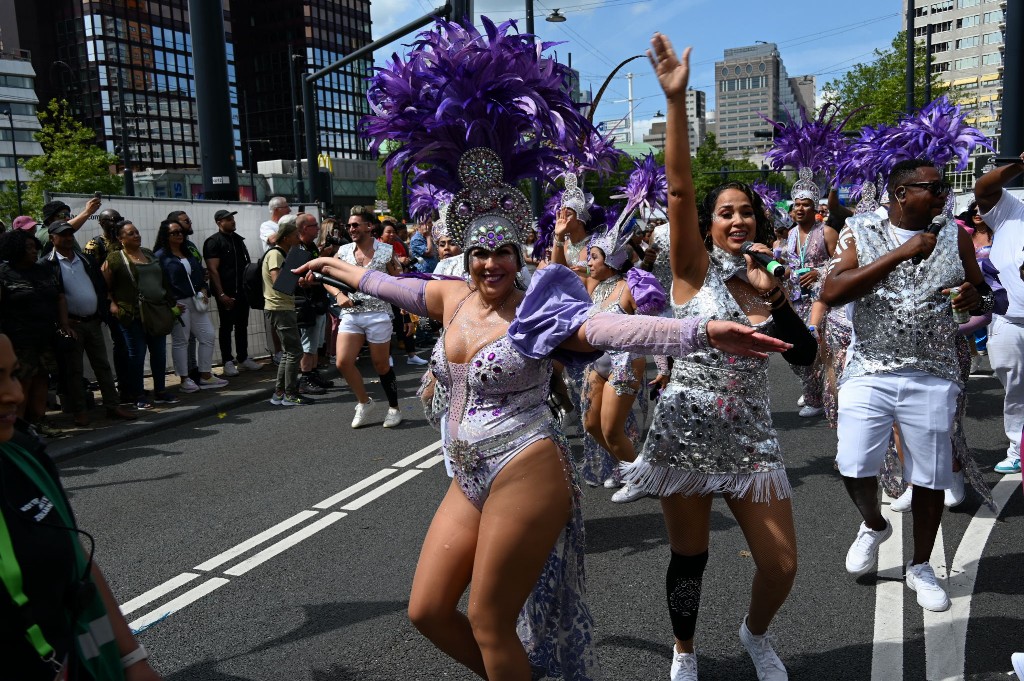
[[163, 237], [764, 232], [13, 245]]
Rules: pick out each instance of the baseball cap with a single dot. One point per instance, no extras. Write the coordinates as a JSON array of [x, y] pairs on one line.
[[51, 209], [24, 222], [60, 227], [221, 214]]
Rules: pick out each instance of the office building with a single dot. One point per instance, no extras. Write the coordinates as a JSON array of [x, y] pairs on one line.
[[753, 80], [967, 46], [18, 98]]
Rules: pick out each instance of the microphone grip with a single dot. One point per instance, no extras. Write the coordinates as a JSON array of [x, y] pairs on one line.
[[331, 281], [933, 228], [769, 263]]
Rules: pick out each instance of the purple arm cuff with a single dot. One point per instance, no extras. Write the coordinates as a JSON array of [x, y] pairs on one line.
[[645, 335], [407, 294], [977, 322]]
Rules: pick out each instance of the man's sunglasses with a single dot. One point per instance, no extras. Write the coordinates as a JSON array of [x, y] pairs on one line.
[[936, 187]]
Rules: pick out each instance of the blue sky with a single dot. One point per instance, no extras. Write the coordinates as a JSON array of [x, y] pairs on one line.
[[814, 37]]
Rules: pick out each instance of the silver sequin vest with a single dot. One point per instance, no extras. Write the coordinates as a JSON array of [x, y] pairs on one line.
[[904, 322], [382, 255]]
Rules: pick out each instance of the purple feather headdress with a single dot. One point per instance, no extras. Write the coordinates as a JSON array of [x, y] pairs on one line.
[[769, 195], [425, 200], [459, 89], [647, 188]]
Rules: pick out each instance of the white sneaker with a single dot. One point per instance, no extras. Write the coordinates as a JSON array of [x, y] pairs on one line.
[[628, 493], [188, 386], [393, 417], [684, 666], [768, 665], [415, 360], [902, 504], [612, 483], [956, 494], [230, 369], [807, 412], [363, 412], [1017, 660], [213, 382], [930, 596], [800, 402], [863, 553], [249, 364]]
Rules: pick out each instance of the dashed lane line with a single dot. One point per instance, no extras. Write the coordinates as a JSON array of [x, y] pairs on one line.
[[157, 592], [190, 596], [416, 456], [358, 503], [353, 489], [253, 542]]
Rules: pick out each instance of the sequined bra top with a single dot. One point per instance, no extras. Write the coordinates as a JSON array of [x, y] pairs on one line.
[[382, 255], [904, 322], [662, 269]]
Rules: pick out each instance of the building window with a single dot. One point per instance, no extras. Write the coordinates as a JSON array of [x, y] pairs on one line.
[[965, 63], [993, 17], [943, 47], [992, 59], [961, 4], [964, 43], [967, 22]]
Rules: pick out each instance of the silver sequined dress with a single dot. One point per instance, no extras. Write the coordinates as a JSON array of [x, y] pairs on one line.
[[712, 427]]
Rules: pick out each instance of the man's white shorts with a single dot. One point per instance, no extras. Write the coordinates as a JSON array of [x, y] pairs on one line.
[[923, 405], [376, 326], [313, 336]]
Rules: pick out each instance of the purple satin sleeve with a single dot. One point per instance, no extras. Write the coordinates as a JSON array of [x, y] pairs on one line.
[[554, 308], [407, 294], [647, 291], [645, 335], [977, 322]]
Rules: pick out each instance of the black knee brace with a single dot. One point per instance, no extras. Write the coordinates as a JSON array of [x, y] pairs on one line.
[[390, 384], [682, 585]]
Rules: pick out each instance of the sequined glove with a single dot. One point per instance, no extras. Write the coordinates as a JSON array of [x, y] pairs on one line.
[[408, 294]]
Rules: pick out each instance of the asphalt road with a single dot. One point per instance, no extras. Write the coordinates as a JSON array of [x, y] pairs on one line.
[[317, 593]]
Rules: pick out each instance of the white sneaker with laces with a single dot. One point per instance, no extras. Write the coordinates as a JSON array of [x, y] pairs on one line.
[[684, 666], [415, 360], [863, 553], [628, 493], [364, 411], [393, 417], [249, 364], [902, 504], [956, 494], [230, 369], [1017, 660], [212, 382], [768, 665], [807, 412], [930, 596], [188, 385]]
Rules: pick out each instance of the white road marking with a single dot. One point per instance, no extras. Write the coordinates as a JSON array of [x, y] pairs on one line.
[[285, 544], [178, 603], [358, 503], [253, 542], [157, 592], [946, 633], [358, 487], [432, 461], [416, 456], [887, 649]]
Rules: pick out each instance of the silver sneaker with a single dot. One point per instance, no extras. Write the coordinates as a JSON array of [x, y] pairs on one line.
[[954, 496], [230, 369], [364, 410], [629, 492], [684, 666], [768, 665]]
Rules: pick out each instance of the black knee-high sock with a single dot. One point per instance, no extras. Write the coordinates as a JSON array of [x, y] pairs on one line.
[[683, 584], [390, 384]]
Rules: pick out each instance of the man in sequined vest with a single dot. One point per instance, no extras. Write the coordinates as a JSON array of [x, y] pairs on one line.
[[902, 366]]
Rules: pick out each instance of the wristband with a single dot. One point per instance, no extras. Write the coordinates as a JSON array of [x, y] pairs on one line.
[[771, 292], [137, 655]]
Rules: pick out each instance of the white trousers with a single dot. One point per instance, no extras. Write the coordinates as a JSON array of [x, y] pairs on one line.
[[923, 405], [1006, 354], [197, 324]]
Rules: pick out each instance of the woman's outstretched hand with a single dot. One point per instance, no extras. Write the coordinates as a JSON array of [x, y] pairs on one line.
[[737, 339], [323, 265], [673, 73]]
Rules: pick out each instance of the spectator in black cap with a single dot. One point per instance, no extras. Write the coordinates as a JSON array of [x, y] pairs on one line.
[[226, 257], [85, 294], [32, 306], [58, 210]]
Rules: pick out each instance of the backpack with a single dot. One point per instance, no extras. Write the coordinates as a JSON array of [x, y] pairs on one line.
[[252, 282]]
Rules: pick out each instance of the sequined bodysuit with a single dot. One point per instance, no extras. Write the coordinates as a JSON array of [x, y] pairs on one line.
[[712, 427]]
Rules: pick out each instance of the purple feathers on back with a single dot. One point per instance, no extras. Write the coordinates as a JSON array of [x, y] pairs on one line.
[[647, 187], [458, 89], [769, 195], [817, 144], [425, 199]]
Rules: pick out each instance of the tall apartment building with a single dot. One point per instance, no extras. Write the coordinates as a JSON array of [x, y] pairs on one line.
[[129, 64], [18, 97], [968, 38], [752, 80], [696, 119]]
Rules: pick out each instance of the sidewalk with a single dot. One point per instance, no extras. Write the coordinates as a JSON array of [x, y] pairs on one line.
[[248, 386]]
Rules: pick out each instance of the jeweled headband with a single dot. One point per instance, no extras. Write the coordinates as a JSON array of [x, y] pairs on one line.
[[574, 198], [806, 187], [487, 212]]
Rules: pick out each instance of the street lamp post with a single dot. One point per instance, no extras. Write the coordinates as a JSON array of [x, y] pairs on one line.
[[14, 153], [252, 164], [126, 154]]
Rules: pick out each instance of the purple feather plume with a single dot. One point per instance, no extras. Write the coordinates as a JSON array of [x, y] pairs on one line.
[[818, 144], [647, 188], [769, 195], [425, 199], [459, 89]]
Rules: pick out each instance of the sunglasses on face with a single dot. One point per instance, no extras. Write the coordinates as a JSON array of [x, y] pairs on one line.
[[936, 187]]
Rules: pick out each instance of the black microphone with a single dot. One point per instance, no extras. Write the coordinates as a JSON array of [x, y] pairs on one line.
[[774, 267], [331, 281], [937, 223]]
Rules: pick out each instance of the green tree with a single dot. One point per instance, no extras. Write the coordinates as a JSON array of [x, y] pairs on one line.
[[880, 86], [71, 162], [711, 168]]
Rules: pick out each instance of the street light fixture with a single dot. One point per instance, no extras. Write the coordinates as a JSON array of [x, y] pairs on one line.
[[556, 17], [14, 152]]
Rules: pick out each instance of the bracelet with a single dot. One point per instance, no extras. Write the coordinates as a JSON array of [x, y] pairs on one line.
[[558, 242], [702, 333], [770, 292], [137, 655]]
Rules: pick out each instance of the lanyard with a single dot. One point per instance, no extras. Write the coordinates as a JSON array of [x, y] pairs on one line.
[[10, 573], [801, 246]]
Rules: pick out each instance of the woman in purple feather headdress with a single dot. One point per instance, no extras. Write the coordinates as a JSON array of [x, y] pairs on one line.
[[712, 428]]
